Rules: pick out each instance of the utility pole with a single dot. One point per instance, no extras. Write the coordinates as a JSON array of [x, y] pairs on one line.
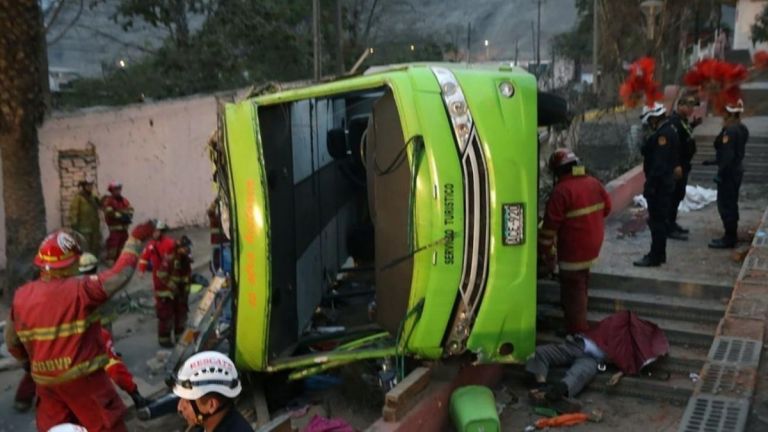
[[469, 40], [533, 44], [517, 50], [339, 40], [316, 37], [538, 36], [595, 47]]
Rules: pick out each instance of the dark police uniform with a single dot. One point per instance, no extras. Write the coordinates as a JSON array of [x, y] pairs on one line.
[[660, 157], [730, 146], [687, 149]]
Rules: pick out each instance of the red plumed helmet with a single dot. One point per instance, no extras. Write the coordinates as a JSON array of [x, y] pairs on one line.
[[561, 157], [718, 80], [60, 249], [639, 84]]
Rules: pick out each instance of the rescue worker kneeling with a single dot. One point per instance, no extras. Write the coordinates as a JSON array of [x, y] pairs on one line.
[[574, 218], [208, 384], [53, 325]]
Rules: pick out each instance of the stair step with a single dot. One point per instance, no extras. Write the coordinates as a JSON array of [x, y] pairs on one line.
[[646, 305], [678, 332]]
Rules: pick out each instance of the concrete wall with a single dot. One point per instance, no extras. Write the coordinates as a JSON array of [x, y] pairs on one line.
[[746, 14], [158, 151]]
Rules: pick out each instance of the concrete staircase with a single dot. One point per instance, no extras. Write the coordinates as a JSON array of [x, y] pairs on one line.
[[755, 95]]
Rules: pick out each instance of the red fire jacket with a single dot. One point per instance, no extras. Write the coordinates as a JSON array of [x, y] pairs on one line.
[[55, 323], [575, 217], [174, 273], [155, 252], [117, 212]]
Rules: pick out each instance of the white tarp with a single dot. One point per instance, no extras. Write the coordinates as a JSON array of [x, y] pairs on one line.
[[696, 197]]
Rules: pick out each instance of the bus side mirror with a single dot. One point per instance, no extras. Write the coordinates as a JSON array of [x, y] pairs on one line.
[[552, 110]]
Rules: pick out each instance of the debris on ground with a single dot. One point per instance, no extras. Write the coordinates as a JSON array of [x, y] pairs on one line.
[[322, 424], [157, 363], [562, 420], [696, 198]]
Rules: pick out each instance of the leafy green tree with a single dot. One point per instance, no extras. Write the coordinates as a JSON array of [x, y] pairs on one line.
[[760, 27]]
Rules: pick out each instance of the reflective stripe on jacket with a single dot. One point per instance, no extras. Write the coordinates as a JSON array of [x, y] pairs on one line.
[[574, 221], [56, 322]]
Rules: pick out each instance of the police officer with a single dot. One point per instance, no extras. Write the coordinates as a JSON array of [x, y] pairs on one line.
[[730, 146], [660, 155], [687, 149]]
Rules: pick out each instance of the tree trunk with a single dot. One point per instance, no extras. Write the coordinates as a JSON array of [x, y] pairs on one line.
[[21, 111]]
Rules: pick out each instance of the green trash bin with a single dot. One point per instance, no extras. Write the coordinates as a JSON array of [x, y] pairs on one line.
[[473, 409]]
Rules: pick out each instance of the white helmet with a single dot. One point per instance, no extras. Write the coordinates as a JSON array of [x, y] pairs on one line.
[[87, 262], [207, 372], [735, 107], [160, 225], [67, 427], [652, 111]]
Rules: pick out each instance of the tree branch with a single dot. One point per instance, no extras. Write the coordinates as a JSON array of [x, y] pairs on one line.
[[116, 39], [68, 27], [55, 14]]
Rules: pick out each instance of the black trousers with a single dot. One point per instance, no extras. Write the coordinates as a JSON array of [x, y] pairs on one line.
[[678, 195], [728, 202], [659, 198]]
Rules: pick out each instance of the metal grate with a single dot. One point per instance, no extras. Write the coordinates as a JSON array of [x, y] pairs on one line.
[[726, 380], [756, 262], [736, 351], [714, 414], [761, 239]]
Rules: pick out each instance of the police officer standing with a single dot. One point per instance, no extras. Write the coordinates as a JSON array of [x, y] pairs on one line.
[[687, 149], [660, 155], [730, 146]]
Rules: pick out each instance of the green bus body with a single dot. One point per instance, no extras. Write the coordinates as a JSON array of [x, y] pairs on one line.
[[501, 189]]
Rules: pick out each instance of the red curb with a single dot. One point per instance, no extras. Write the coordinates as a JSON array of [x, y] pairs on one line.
[[624, 188], [431, 413]]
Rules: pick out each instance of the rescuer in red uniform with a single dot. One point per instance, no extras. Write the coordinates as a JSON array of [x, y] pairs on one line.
[[117, 214], [171, 297], [52, 325], [574, 223], [152, 257]]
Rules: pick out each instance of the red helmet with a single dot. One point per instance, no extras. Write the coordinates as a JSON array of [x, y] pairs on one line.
[[60, 249], [561, 157], [114, 185]]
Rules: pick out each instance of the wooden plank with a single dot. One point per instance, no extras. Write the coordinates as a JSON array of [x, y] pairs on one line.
[[414, 383], [260, 405], [400, 399]]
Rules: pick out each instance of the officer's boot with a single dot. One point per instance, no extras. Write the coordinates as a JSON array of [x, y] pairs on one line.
[[728, 241], [139, 401]]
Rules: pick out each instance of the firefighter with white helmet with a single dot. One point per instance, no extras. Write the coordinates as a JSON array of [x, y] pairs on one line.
[[158, 248], [730, 146], [661, 167], [208, 384]]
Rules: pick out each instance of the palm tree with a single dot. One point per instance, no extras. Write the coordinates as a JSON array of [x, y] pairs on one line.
[[23, 85]]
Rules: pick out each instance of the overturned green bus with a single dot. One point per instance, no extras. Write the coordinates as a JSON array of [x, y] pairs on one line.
[[402, 203]]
